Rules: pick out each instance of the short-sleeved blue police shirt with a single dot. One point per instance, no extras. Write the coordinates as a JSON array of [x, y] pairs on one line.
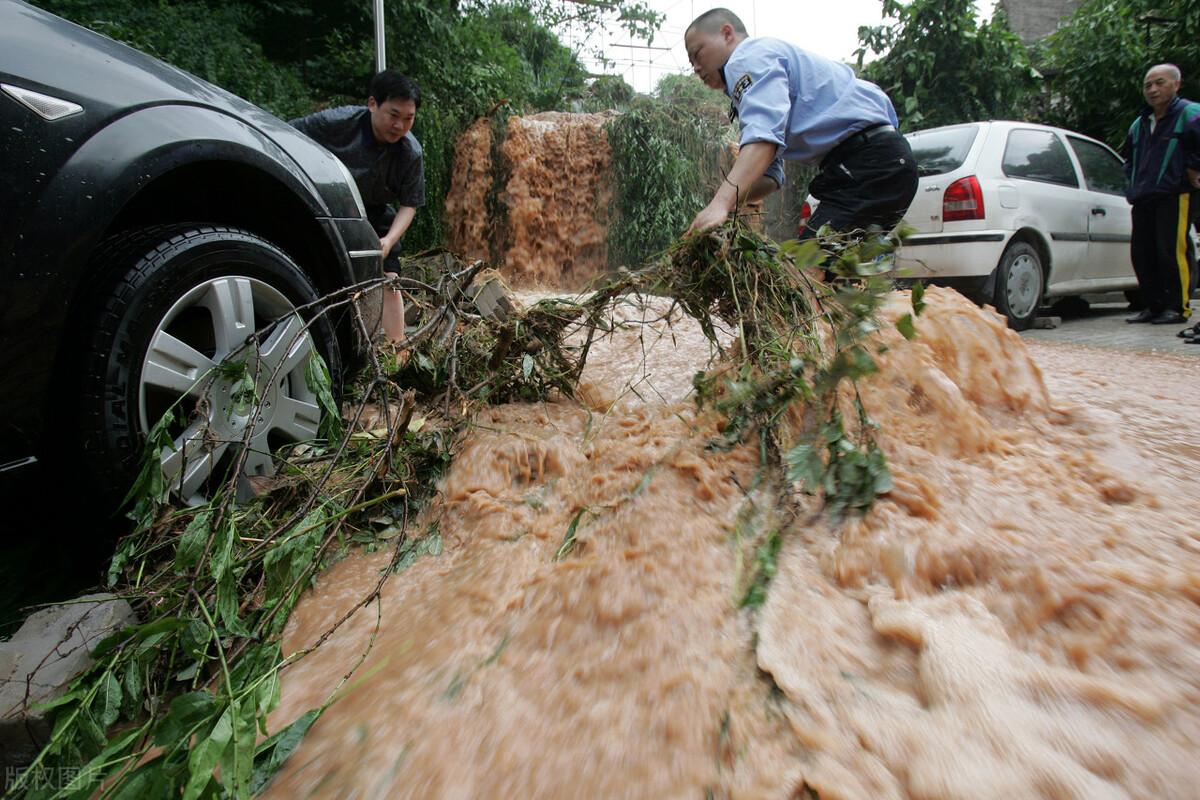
[[801, 102]]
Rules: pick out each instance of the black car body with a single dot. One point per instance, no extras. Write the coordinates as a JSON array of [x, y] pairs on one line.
[[148, 148]]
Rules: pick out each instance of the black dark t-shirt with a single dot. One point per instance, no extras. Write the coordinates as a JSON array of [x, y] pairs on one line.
[[384, 173]]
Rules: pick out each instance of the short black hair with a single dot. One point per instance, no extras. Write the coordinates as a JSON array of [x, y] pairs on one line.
[[390, 84], [712, 20]]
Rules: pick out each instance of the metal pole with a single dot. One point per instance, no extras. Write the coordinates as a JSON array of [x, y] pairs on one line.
[[380, 43]]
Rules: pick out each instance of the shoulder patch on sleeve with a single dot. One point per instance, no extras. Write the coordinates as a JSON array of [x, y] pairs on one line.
[[741, 85]]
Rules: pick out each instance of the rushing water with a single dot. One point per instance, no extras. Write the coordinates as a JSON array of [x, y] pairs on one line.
[[1018, 619]]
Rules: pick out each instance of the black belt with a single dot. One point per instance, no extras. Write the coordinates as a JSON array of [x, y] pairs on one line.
[[856, 140]]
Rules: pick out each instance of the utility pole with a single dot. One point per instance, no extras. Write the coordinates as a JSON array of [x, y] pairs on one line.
[[1153, 18], [380, 43]]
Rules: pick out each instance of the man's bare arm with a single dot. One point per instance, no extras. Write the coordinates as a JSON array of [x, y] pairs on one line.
[[404, 218], [744, 183]]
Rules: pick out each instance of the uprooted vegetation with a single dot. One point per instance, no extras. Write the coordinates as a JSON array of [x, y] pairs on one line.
[[179, 703]]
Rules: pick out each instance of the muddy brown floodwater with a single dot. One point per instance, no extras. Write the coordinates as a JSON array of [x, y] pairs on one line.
[[1019, 618]]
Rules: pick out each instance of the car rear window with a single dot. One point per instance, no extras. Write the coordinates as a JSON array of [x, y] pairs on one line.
[[942, 150]]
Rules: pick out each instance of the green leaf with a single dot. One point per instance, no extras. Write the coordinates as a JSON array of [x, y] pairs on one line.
[[149, 489], [78, 690], [222, 550], [186, 713], [195, 638], [191, 543], [527, 365], [255, 662], [148, 780], [804, 464], [133, 690], [765, 557], [93, 734], [906, 327], [293, 553], [203, 759], [154, 630], [272, 753], [568, 541], [111, 758], [918, 298], [228, 599], [237, 762], [319, 382], [412, 549], [267, 698], [109, 700]]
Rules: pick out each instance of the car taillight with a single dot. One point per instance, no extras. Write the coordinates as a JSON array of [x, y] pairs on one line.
[[805, 213], [963, 200]]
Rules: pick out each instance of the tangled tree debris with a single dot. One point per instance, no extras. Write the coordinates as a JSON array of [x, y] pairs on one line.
[[178, 704]]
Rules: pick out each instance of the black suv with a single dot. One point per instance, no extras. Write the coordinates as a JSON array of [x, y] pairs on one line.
[[149, 223]]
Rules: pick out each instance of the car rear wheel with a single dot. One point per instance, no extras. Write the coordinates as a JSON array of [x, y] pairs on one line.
[[1019, 281], [176, 331]]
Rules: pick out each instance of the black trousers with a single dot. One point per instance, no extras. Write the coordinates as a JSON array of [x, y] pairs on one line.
[[864, 183], [1161, 249]]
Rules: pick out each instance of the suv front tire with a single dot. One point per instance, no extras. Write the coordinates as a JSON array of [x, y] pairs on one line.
[[170, 331]]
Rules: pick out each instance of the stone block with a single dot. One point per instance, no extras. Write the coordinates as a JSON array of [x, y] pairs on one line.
[[41, 659]]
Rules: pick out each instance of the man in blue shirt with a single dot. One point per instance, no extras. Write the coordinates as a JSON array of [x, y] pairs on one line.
[[1162, 165], [797, 105]]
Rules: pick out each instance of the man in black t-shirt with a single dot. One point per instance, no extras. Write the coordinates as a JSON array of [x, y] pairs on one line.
[[376, 144]]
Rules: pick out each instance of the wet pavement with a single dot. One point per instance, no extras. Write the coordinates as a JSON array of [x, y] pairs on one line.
[[1103, 325]]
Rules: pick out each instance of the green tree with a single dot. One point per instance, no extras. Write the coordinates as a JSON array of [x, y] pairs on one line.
[[1095, 63], [688, 91], [940, 65], [213, 40], [668, 151]]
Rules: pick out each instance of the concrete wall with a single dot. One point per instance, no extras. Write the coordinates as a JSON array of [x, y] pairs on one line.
[[1033, 19]]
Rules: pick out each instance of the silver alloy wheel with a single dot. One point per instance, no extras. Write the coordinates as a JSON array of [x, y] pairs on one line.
[[210, 323], [1023, 287]]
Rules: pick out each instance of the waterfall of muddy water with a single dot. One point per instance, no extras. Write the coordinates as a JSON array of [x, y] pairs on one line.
[[1018, 619], [556, 198], [467, 226]]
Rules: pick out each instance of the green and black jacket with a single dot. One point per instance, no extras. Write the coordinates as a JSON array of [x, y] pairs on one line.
[[1156, 162]]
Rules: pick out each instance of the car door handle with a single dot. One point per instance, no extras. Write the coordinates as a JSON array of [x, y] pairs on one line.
[[1099, 212]]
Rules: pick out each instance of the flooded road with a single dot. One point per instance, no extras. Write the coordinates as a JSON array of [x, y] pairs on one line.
[[1019, 618]]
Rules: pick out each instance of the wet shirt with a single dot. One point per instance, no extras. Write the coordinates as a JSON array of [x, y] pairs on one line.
[[801, 102], [384, 173]]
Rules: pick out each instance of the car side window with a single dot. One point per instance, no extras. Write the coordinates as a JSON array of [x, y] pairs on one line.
[[1102, 169], [1038, 156]]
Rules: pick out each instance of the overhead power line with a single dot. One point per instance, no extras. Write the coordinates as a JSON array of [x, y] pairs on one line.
[[639, 46]]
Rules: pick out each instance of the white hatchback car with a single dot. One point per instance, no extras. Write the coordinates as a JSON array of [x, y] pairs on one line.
[[1016, 213], [1013, 213]]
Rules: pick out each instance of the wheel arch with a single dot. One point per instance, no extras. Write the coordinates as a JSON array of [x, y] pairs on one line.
[[1037, 240], [176, 164], [1032, 237]]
